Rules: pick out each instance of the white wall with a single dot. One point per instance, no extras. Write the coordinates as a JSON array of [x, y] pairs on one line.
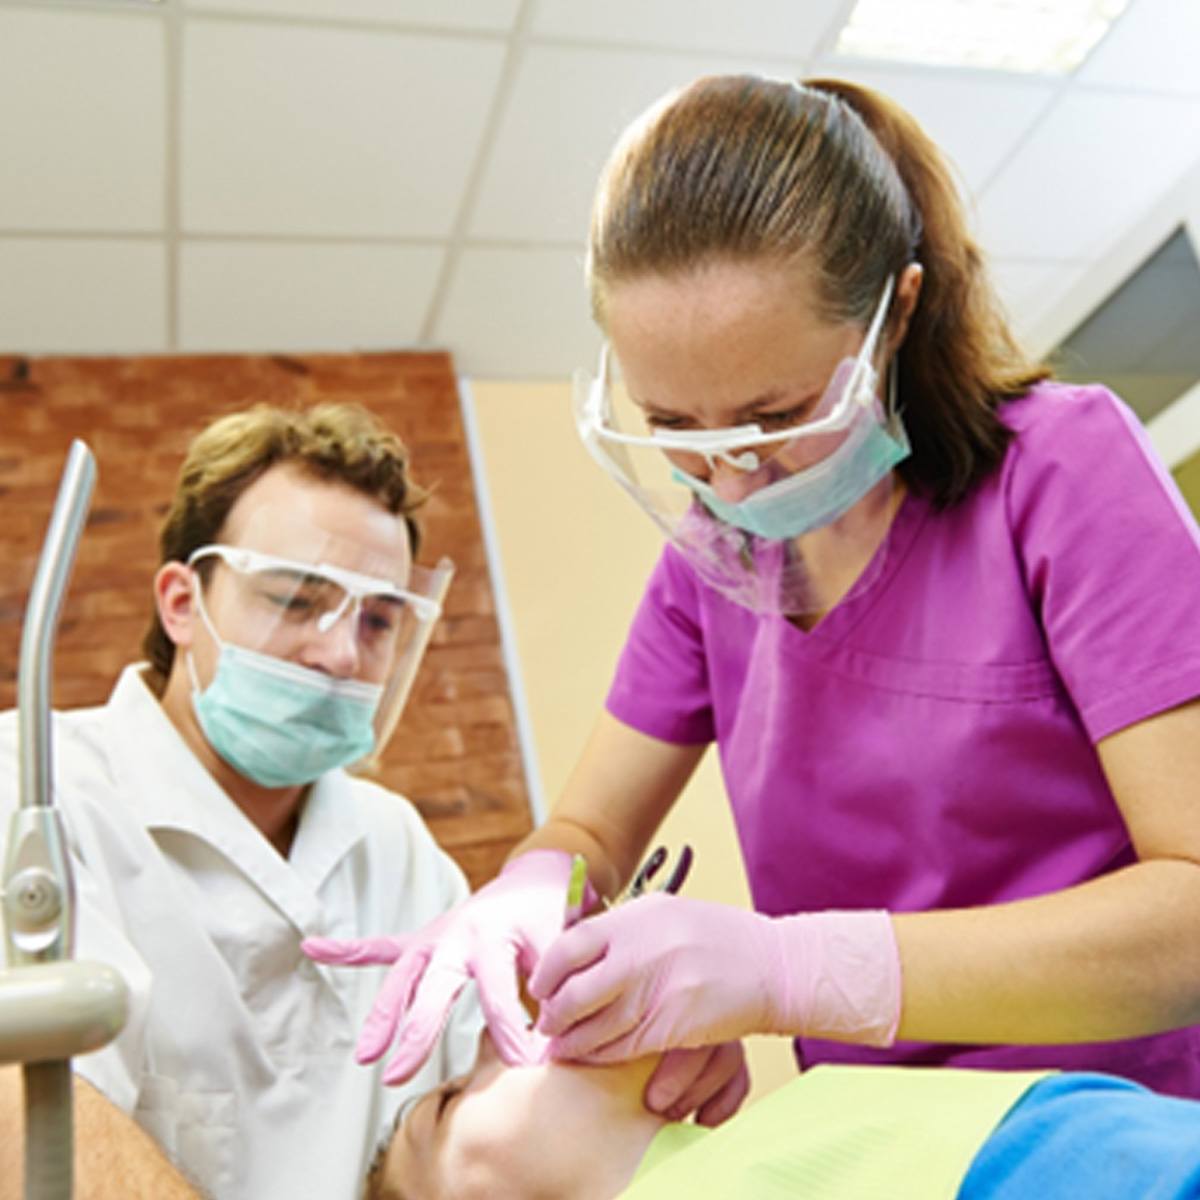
[[574, 554]]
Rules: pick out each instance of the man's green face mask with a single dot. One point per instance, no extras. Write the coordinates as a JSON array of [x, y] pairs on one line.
[[314, 659]]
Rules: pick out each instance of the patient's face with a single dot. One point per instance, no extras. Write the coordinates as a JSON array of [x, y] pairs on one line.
[[532, 1133], [476, 1135]]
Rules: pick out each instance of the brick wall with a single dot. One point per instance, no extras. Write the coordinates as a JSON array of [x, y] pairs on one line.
[[455, 751]]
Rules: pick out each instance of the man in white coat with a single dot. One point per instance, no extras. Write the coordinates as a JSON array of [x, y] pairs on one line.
[[213, 824]]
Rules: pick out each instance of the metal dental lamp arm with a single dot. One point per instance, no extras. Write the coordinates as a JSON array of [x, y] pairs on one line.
[[50, 1006]]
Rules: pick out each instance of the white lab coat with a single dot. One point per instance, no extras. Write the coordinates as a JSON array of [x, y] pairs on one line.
[[239, 1053]]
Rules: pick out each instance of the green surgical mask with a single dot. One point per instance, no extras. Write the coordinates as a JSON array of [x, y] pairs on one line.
[[281, 724], [817, 496]]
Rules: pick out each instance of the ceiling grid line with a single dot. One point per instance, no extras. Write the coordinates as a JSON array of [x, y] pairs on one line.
[[837, 21], [172, 182], [1053, 100], [505, 85], [344, 24]]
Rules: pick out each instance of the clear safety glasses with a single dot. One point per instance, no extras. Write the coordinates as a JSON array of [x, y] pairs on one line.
[[345, 619], [740, 501], [609, 426]]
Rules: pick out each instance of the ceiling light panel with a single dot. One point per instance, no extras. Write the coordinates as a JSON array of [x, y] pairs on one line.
[[1046, 37]]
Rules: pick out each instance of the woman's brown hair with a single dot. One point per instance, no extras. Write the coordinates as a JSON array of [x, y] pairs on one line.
[[831, 177], [337, 442]]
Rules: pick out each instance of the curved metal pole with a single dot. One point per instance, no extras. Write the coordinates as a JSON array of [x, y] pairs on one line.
[[38, 889], [41, 620]]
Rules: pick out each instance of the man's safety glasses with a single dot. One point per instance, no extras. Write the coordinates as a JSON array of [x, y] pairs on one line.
[[319, 594]]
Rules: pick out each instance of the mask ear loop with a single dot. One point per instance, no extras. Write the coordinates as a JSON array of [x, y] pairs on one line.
[[202, 609], [891, 408]]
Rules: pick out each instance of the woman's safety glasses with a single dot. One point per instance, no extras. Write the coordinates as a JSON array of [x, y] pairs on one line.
[[737, 500], [608, 427], [278, 605]]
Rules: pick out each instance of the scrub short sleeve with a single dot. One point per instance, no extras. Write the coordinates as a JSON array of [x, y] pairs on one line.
[[1111, 555], [661, 686]]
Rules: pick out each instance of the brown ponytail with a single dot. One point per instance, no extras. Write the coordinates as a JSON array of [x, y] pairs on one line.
[[959, 360], [830, 176]]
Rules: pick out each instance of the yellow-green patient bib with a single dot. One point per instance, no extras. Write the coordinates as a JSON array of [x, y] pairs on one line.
[[838, 1133]]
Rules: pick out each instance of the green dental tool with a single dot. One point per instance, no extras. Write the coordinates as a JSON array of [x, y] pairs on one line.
[[576, 887]]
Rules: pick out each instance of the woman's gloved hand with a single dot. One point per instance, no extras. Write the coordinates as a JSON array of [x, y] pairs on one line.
[[501, 929], [665, 971]]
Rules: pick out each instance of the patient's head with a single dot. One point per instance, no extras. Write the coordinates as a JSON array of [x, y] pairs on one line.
[[558, 1131]]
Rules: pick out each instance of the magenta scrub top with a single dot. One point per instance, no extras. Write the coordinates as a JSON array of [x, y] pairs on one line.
[[930, 743]]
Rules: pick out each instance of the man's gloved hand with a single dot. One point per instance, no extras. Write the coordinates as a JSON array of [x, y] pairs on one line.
[[501, 929], [665, 971]]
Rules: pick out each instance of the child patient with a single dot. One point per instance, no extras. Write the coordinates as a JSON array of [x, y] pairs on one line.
[[561, 1131]]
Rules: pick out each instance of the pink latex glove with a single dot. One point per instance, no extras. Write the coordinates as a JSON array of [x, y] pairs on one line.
[[666, 971], [499, 930]]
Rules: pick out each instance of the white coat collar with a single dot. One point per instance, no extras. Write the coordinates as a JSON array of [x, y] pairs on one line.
[[168, 788]]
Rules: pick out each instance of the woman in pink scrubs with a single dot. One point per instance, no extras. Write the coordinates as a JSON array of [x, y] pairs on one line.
[[940, 615]]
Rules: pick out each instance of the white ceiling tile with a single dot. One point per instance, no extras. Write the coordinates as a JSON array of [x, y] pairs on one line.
[[1020, 283], [296, 130], [1029, 291], [253, 297], [477, 15], [1094, 165], [82, 121], [567, 110], [518, 314], [780, 28], [1154, 44], [82, 296], [976, 119], [333, 140]]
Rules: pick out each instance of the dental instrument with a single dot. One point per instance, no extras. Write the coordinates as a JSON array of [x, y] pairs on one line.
[[576, 891], [651, 867]]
